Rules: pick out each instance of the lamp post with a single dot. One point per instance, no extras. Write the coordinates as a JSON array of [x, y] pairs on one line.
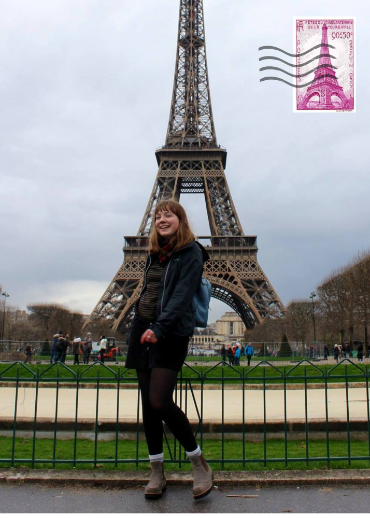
[[282, 316], [312, 296], [5, 295]]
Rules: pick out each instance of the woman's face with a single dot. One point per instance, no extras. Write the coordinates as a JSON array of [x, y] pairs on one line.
[[166, 223]]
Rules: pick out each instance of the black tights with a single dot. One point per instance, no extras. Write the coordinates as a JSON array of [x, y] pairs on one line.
[[157, 386]]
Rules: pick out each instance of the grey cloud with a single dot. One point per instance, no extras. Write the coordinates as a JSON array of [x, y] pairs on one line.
[[85, 96]]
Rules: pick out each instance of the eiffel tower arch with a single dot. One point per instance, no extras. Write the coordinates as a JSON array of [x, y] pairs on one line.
[[190, 162]]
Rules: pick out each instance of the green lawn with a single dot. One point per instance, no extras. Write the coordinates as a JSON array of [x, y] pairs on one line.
[[271, 374], [212, 449]]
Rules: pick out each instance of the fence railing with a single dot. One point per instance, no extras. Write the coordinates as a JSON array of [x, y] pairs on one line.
[[262, 416]]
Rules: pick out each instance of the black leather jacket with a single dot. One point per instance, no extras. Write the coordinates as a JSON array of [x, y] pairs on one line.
[[180, 280]]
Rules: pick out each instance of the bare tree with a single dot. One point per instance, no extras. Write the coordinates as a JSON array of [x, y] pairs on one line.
[[75, 323], [333, 294], [49, 315], [361, 282], [298, 320], [269, 331], [344, 303]]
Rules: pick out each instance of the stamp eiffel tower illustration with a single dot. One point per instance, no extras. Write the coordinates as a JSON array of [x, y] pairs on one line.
[[326, 83], [191, 161]]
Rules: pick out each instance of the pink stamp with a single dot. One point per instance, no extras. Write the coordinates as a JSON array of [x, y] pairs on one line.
[[325, 71]]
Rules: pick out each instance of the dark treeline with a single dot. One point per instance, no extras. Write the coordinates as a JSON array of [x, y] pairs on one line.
[[340, 311]]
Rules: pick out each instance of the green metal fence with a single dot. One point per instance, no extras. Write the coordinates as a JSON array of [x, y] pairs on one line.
[[252, 387]]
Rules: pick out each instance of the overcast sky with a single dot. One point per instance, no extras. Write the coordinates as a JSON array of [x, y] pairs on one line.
[[85, 92]]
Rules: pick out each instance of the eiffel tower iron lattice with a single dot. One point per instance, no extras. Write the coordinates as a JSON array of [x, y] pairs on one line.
[[191, 161]]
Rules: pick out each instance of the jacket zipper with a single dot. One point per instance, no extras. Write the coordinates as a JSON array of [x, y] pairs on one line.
[[146, 271], [164, 285]]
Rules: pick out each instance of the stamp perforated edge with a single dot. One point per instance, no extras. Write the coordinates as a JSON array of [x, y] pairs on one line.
[[308, 17]]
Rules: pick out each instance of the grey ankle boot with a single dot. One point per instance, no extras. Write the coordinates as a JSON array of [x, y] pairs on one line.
[[157, 482], [203, 477]]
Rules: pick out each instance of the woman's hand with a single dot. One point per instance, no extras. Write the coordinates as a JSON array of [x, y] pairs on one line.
[[148, 336]]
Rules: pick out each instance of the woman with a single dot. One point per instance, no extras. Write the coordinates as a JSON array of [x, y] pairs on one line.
[[67, 344], [230, 356], [87, 348], [223, 354], [28, 353], [360, 353], [336, 352], [76, 350], [53, 349], [103, 346], [326, 352], [159, 338]]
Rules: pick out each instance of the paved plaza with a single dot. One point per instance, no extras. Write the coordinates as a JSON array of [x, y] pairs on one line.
[[293, 499], [212, 403]]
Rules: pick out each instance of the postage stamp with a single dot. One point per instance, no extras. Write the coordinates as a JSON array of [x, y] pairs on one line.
[[325, 65]]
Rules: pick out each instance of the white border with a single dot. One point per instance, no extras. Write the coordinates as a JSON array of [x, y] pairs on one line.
[[295, 18]]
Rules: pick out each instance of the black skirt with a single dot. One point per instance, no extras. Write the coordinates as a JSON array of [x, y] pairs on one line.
[[169, 352]]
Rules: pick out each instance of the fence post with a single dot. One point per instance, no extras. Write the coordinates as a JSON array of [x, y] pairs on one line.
[[327, 417], [56, 418], [285, 418], [15, 417], [117, 415]]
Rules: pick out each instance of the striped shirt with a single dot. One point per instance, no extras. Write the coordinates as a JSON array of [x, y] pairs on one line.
[[147, 305]]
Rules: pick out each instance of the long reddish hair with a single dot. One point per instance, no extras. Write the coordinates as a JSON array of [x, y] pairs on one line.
[[184, 234]]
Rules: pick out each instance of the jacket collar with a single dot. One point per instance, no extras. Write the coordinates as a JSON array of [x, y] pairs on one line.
[[190, 245]]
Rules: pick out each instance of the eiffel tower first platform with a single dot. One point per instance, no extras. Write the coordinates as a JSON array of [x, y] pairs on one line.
[[190, 162]]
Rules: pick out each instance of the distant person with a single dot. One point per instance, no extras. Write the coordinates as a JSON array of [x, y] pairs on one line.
[[249, 352], [340, 347], [345, 350], [237, 356], [61, 347], [87, 348], [103, 346], [28, 353], [336, 352], [230, 356], [360, 353], [66, 344], [53, 349], [223, 353], [76, 350], [326, 352]]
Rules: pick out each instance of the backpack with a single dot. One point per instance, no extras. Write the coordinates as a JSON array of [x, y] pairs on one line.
[[201, 303]]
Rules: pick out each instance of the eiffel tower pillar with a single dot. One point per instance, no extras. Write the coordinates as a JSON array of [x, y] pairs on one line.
[[190, 162]]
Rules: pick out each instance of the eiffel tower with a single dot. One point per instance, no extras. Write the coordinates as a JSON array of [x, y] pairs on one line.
[[191, 161]]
